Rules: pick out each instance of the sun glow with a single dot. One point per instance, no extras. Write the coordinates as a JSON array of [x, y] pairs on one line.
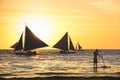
[[41, 26]]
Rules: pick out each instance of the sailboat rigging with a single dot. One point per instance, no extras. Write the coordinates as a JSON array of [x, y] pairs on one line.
[[27, 42], [65, 44]]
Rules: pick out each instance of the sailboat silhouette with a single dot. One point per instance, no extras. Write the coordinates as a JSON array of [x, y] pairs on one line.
[[78, 46], [65, 44], [27, 42]]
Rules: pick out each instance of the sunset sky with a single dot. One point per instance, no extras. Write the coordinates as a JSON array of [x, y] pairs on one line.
[[94, 23]]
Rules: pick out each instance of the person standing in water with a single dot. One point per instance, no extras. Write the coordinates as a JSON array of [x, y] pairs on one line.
[[96, 53]]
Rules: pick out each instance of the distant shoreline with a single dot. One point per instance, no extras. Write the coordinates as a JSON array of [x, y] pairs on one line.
[[65, 78]]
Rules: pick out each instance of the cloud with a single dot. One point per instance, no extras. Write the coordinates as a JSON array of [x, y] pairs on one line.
[[109, 5]]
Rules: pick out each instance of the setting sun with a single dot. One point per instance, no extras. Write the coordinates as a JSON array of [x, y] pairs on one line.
[[40, 25]]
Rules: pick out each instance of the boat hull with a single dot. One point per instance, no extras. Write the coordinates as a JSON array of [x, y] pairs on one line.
[[26, 53], [67, 52]]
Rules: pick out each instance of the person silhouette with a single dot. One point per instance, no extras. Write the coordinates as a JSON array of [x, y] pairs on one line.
[[96, 53]]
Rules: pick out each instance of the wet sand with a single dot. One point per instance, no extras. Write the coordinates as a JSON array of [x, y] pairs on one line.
[[65, 78]]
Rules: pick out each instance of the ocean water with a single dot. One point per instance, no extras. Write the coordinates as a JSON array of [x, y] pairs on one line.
[[48, 64]]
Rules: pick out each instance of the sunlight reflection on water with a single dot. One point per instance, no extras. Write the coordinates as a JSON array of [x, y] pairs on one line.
[[54, 64]]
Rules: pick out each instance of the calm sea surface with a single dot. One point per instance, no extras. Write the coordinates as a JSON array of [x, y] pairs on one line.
[[49, 64]]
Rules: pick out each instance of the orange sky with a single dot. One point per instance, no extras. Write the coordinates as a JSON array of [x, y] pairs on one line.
[[95, 23]]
